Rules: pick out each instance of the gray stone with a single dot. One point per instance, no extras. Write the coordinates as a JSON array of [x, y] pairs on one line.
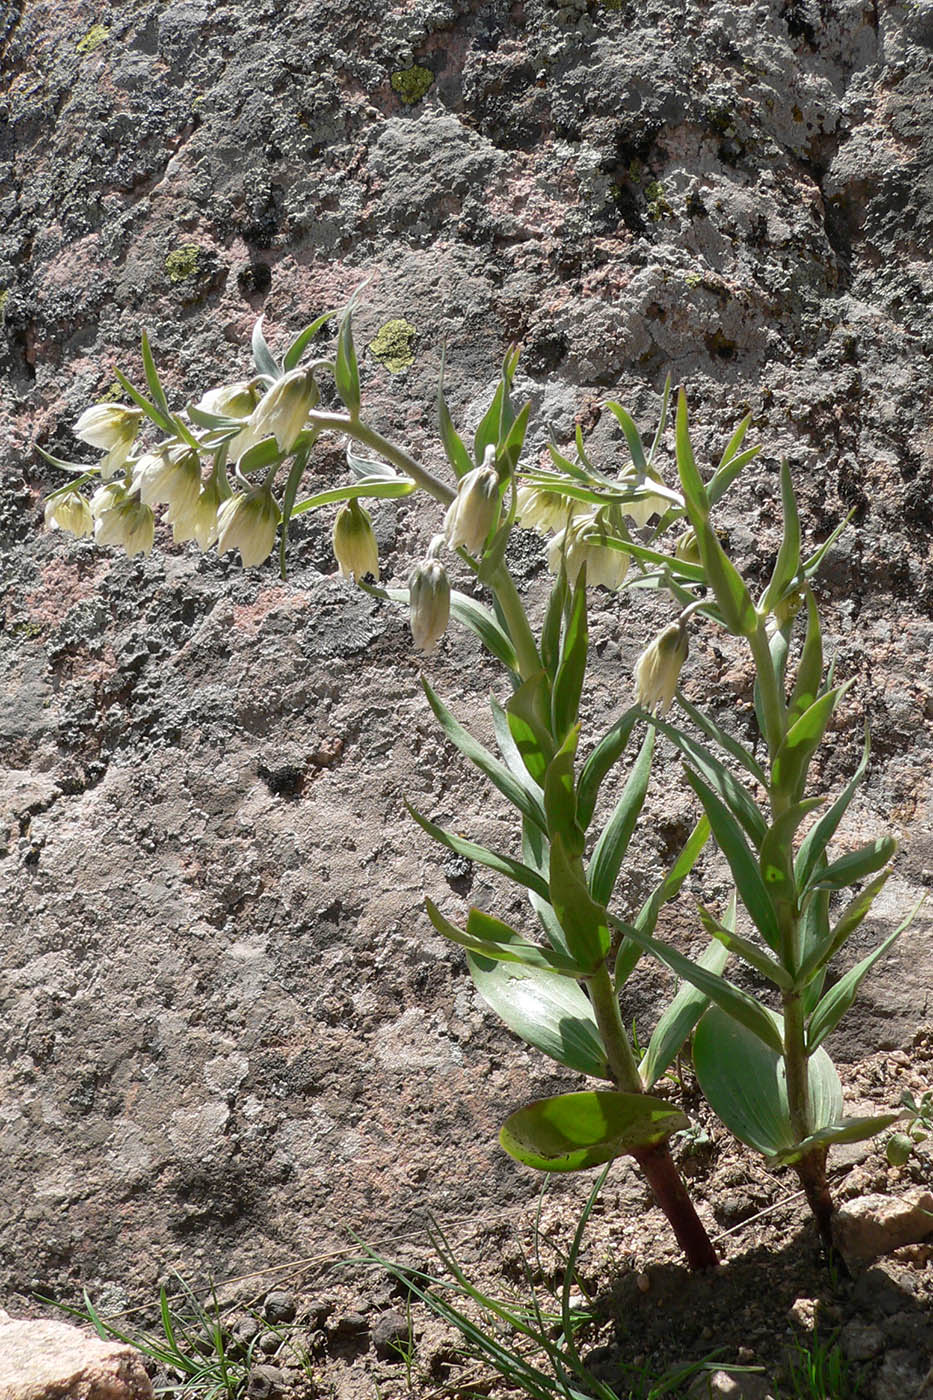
[[390, 1331], [874, 1225]]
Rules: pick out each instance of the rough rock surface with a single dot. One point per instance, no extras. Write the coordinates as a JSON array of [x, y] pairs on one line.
[[227, 1031], [52, 1361], [875, 1225]]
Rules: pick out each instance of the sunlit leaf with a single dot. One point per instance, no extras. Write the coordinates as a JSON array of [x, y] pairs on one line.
[[574, 1131]]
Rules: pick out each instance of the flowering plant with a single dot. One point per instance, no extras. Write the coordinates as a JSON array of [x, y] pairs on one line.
[[230, 468]]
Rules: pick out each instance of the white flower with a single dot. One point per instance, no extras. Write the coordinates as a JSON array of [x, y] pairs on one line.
[[429, 601], [584, 541], [170, 474], [475, 508], [686, 548], [69, 512], [197, 520], [230, 400], [539, 508], [658, 668], [248, 522], [282, 413], [126, 522], [653, 503], [112, 428], [355, 547]]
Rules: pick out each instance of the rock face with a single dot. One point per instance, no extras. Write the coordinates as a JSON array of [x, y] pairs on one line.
[[227, 1031], [875, 1225], [52, 1361]]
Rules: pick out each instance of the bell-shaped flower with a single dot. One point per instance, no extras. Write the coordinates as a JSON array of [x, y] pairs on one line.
[[230, 400], [585, 541], [113, 429], [650, 503], [475, 508], [355, 547], [198, 519], [658, 668], [170, 474], [539, 508], [248, 521], [429, 601], [122, 519], [281, 414], [69, 512]]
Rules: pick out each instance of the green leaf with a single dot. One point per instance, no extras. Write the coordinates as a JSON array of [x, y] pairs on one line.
[[346, 370], [732, 792], [669, 888], [632, 435], [564, 464], [719, 736], [789, 769], [776, 857], [568, 684], [527, 711], [152, 378], [161, 420], [840, 997], [815, 934], [740, 1005], [496, 941], [679, 568], [787, 564], [498, 418], [818, 838], [560, 798], [746, 950], [553, 622], [810, 669], [571, 1132], [536, 853], [263, 358], [293, 354], [728, 836], [679, 1019], [819, 953], [511, 752], [497, 773], [457, 455], [612, 845], [846, 1130], [263, 454], [512, 869], [662, 420], [509, 449], [380, 490], [857, 865], [585, 923], [690, 480], [813, 563], [295, 472], [549, 1012], [606, 753], [732, 596], [746, 1085]]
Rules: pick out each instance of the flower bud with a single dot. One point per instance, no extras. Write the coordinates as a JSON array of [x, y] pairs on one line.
[[355, 547], [248, 521], [170, 474], [123, 520], [475, 508], [198, 520], [584, 541], [658, 668], [281, 414], [69, 512], [113, 429], [686, 548], [429, 600], [230, 400]]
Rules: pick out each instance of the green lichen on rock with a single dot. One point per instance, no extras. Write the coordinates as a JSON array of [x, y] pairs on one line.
[[182, 263], [658, 204], [112, 393], [93, 38], [410, 84], [4, 296], [391, 345]]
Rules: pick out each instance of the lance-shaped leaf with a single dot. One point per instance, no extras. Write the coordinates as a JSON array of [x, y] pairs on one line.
[[775, 858], [632, 435], [553, 622], [380, 489], [857, 865], [527, 712], [550, 1012], [819, 953], [497, 773], [679, 1019], [840, 997], [739, 1005], [509, 449], [560, 798], [810, 669], [457, 455], [504, 865], [568, 683], [818, 838], [263, 358], [606, 753], [816, 558], [537, 854], [610, 849], [499, 416], [745, 1082], [690, 479], [845, 1130], [491, 938], [668, 889], [262, 455], [152, 378], [511, 753], [745, 949], [728, 837], [732, 596], [293, 354], [814, 936], [680, 569], [733, 793], [584, 921], [789, 769], [787, 564], [295, 473], [720, 736], [161, 420], [571, 1132], [346, 369], [480, 620]]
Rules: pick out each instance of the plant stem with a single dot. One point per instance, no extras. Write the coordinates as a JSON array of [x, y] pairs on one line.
[[343, 423], [812, 1173], [503, 585], [772, 702]]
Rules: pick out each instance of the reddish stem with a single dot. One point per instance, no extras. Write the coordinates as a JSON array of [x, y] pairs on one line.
[[671, 1195]]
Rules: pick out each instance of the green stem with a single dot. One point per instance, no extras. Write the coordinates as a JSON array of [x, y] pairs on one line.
[[609, 1019], [772, 701], [503, 585], [343, 423], [795, 1061]]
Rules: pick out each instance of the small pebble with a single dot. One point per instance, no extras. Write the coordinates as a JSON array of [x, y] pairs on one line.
[[269, 1343], [280, 1307], [643, 1283]]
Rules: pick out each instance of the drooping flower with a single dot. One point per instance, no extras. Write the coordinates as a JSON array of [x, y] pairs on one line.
[[122, 519], [585, 540], [248, 521], [230, 400], [171, 474], [429, 602], [658, 668], [281, 414], [113, 429], [355, 547], [651, 503], [69, 512], [544, 510], [475, 508], [198, 520]]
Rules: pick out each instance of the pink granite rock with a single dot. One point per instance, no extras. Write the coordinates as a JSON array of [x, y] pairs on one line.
[[53, 1361]]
